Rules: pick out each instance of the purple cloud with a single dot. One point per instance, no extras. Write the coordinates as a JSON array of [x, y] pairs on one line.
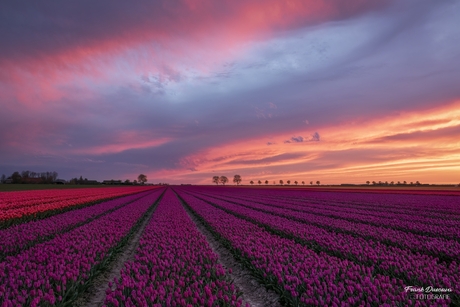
[[300, 139]]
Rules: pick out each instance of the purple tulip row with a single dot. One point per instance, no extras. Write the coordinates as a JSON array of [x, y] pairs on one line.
[[173, 266], [426, 228], [450, 229], [426, 203], [433, 246], [331, 207], [386, 259], [18, 237], [52, 272], [302, 276], [426, 206]]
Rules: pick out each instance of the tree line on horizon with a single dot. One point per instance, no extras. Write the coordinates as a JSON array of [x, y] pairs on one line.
[[30, 177], [238, 179], [141, 179], [392, 183]]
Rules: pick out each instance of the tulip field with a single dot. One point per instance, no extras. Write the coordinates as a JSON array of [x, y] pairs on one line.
[[20, 206], [308, 247]]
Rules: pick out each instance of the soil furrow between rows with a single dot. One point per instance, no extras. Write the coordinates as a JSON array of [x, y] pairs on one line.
[[254, 293]]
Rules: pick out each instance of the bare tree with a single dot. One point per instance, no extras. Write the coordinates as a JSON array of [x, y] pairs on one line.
[[223, 180], [142, 178], [25, 174], [215, 179], [54, 175], [237, 179]]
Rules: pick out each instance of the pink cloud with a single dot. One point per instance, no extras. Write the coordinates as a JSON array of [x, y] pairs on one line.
[[164, 34]]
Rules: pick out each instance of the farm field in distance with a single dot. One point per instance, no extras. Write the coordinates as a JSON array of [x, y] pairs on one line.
[[230, 246]]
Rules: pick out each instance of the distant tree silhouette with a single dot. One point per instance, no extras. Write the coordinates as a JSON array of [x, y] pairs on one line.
[[296, 182], [281, 182], [311, 182], [318, 182], [374, 183], [288, 182], [303, 182], [417, 182], [392, 183], [259, 182], [25, 175], [251, 182], [266, 181], [16, 177], [142, 178], [368, 182], [215, 179], [404, 182], [237, 179], [223, 180]]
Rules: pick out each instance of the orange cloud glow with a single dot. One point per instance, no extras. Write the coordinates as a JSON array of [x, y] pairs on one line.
[[430, 152]]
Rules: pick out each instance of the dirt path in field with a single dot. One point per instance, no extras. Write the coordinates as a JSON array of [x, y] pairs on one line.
[[95, 295], [254, 293]]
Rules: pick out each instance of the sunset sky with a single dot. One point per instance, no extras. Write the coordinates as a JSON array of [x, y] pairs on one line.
[[183, 90]]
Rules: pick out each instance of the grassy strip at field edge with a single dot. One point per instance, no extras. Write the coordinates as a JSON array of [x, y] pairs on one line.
[[14, 187]]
